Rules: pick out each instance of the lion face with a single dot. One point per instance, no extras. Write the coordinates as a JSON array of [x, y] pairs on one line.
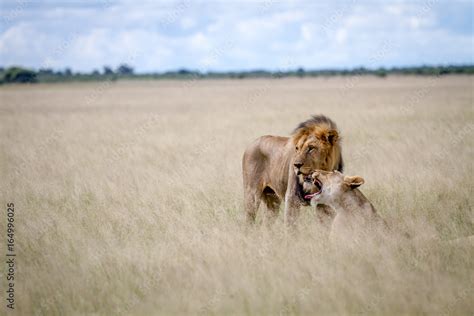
[[324, 187], [315, 149]]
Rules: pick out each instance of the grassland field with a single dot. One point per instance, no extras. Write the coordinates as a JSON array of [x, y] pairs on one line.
[[128, 197]]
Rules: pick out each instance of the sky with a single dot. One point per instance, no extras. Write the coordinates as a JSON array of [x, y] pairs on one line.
[[212, 35]]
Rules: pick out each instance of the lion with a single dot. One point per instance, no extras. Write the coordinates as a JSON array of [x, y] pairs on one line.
[[355, 214], [274, 167]]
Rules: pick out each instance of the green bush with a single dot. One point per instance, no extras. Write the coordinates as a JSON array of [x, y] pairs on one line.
[[19, 75]]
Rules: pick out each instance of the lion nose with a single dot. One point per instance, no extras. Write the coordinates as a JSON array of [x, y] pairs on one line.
[[298, 164]]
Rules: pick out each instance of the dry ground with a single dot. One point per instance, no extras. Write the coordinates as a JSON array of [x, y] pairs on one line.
[[129, 198]]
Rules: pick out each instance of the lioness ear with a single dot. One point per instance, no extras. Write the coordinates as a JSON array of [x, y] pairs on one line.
[[353, 181], [332, 136]]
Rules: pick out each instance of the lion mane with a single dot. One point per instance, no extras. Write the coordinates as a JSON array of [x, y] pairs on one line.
[[274, 167]]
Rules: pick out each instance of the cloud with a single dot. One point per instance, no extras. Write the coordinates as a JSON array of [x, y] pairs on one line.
[[306, 32], [238, 35], [341, 36], [187, 23], [17, 46]]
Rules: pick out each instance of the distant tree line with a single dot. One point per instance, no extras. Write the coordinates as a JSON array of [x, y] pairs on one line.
[[124, 71]]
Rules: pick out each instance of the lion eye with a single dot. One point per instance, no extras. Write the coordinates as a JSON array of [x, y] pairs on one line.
[[296, 147], [310, 149]]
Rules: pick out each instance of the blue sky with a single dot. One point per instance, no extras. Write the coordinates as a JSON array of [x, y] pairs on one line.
[[234, 35]]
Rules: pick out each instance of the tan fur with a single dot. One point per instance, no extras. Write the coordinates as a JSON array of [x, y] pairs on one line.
[[274, 167], [355, 215]]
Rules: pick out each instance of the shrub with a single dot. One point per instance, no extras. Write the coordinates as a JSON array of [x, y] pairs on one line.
[[19, 75]]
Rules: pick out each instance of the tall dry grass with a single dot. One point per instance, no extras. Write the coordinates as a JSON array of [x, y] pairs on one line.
[[129, 199]]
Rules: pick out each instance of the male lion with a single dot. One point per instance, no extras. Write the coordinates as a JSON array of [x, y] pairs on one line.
[[274, 167]]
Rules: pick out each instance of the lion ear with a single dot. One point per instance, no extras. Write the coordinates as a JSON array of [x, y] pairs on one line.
[[353, 181], [332, 136]]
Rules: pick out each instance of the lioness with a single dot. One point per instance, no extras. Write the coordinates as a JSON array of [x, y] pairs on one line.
[[355, 215], [274, 167]]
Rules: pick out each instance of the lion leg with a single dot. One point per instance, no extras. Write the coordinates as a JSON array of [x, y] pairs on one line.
[[272, 202], [252, 202], [292, 211], [292, 205]]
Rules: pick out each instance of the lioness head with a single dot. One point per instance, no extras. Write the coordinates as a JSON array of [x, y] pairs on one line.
[[317, 146], [324, 187]]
